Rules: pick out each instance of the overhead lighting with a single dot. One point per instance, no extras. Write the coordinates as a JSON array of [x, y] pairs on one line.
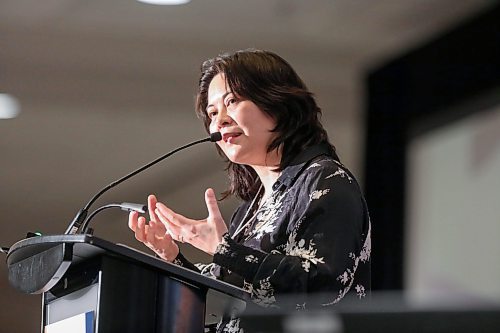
[[9, 106], [165, 2]]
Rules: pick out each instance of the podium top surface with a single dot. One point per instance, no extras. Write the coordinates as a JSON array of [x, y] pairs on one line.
[[85, 247]]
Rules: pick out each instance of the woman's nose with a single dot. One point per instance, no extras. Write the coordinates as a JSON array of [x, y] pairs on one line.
[[223, 119]]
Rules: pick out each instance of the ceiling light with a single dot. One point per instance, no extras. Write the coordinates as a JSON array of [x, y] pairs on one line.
[[164, 2], [9, 106]]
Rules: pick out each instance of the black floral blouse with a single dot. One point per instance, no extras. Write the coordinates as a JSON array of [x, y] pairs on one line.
[[312, 235]]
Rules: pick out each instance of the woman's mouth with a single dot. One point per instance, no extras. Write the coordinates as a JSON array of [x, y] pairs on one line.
[[230, 137]]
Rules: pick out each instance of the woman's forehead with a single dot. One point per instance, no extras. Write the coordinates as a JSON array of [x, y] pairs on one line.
[[217, 88]]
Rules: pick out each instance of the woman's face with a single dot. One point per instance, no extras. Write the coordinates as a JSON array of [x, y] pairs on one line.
[[246, 129]]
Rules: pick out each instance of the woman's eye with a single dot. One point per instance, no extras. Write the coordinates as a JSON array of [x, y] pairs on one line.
[[212, 114], [230, 101]]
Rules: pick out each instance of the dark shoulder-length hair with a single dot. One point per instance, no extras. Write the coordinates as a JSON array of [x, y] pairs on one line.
[[272, 84]]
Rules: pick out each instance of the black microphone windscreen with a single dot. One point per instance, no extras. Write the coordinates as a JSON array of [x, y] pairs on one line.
[[216, 136]]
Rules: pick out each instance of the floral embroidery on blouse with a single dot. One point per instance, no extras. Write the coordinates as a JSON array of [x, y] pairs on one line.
[[299, 249], [342, 173], [233, 326], [247, 286], [223, 247], [263, 294], [300, 307], [177, 262], [267, 215], [315, 195], [313, 165], [347, 278], [252, 259], [211, 270], [360, 291]]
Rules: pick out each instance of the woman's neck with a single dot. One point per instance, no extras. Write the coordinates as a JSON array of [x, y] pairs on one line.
[[267, 177], [267, 174]]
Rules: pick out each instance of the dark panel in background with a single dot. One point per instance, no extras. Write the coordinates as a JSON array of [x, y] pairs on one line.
[[459, 67]]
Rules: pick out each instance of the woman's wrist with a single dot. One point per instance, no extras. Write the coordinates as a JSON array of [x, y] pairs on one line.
[[223, 243], [168, 256]]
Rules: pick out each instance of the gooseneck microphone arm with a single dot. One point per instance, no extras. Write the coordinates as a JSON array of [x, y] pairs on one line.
[[127, 206], [79, 219]]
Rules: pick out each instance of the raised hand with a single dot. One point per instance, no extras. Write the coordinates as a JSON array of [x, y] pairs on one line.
[[153, 233], [204, 234]]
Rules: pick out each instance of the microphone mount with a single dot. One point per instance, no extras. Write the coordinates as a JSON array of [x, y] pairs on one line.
[[127, 206]]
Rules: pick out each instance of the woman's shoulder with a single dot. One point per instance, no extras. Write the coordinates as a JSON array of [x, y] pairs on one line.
[[328, 168]]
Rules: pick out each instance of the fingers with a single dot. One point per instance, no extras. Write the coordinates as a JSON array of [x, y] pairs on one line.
[[176, 233], [137, 225], [215, 220], [212, 205], [132, 220], [152, 207], [153, 234], [168, 217], [168, 238], [179, 227], [150, 234], [165, 225], [140, 231], [157, 227], [150, 237]]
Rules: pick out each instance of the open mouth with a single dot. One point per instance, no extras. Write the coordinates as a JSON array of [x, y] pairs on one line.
[[230, 137]]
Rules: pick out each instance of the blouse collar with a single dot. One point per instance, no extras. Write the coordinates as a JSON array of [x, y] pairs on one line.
[[303, 159]]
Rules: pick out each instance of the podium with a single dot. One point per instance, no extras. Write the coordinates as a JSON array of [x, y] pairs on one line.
[[115, 288]]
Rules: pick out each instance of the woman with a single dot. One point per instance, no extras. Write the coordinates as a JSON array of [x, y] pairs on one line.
[[303, 226]]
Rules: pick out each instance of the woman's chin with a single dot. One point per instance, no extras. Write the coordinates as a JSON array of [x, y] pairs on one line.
[[233, 153], [237, 158]]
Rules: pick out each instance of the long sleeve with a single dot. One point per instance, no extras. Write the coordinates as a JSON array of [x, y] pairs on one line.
[[180, 260], [320, 234]]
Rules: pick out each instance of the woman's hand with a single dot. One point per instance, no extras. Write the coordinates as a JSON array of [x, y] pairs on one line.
[[153, 234], [205, 234]]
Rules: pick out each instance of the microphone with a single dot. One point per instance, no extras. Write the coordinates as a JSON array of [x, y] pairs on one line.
[[127, 206], [79, 218]]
